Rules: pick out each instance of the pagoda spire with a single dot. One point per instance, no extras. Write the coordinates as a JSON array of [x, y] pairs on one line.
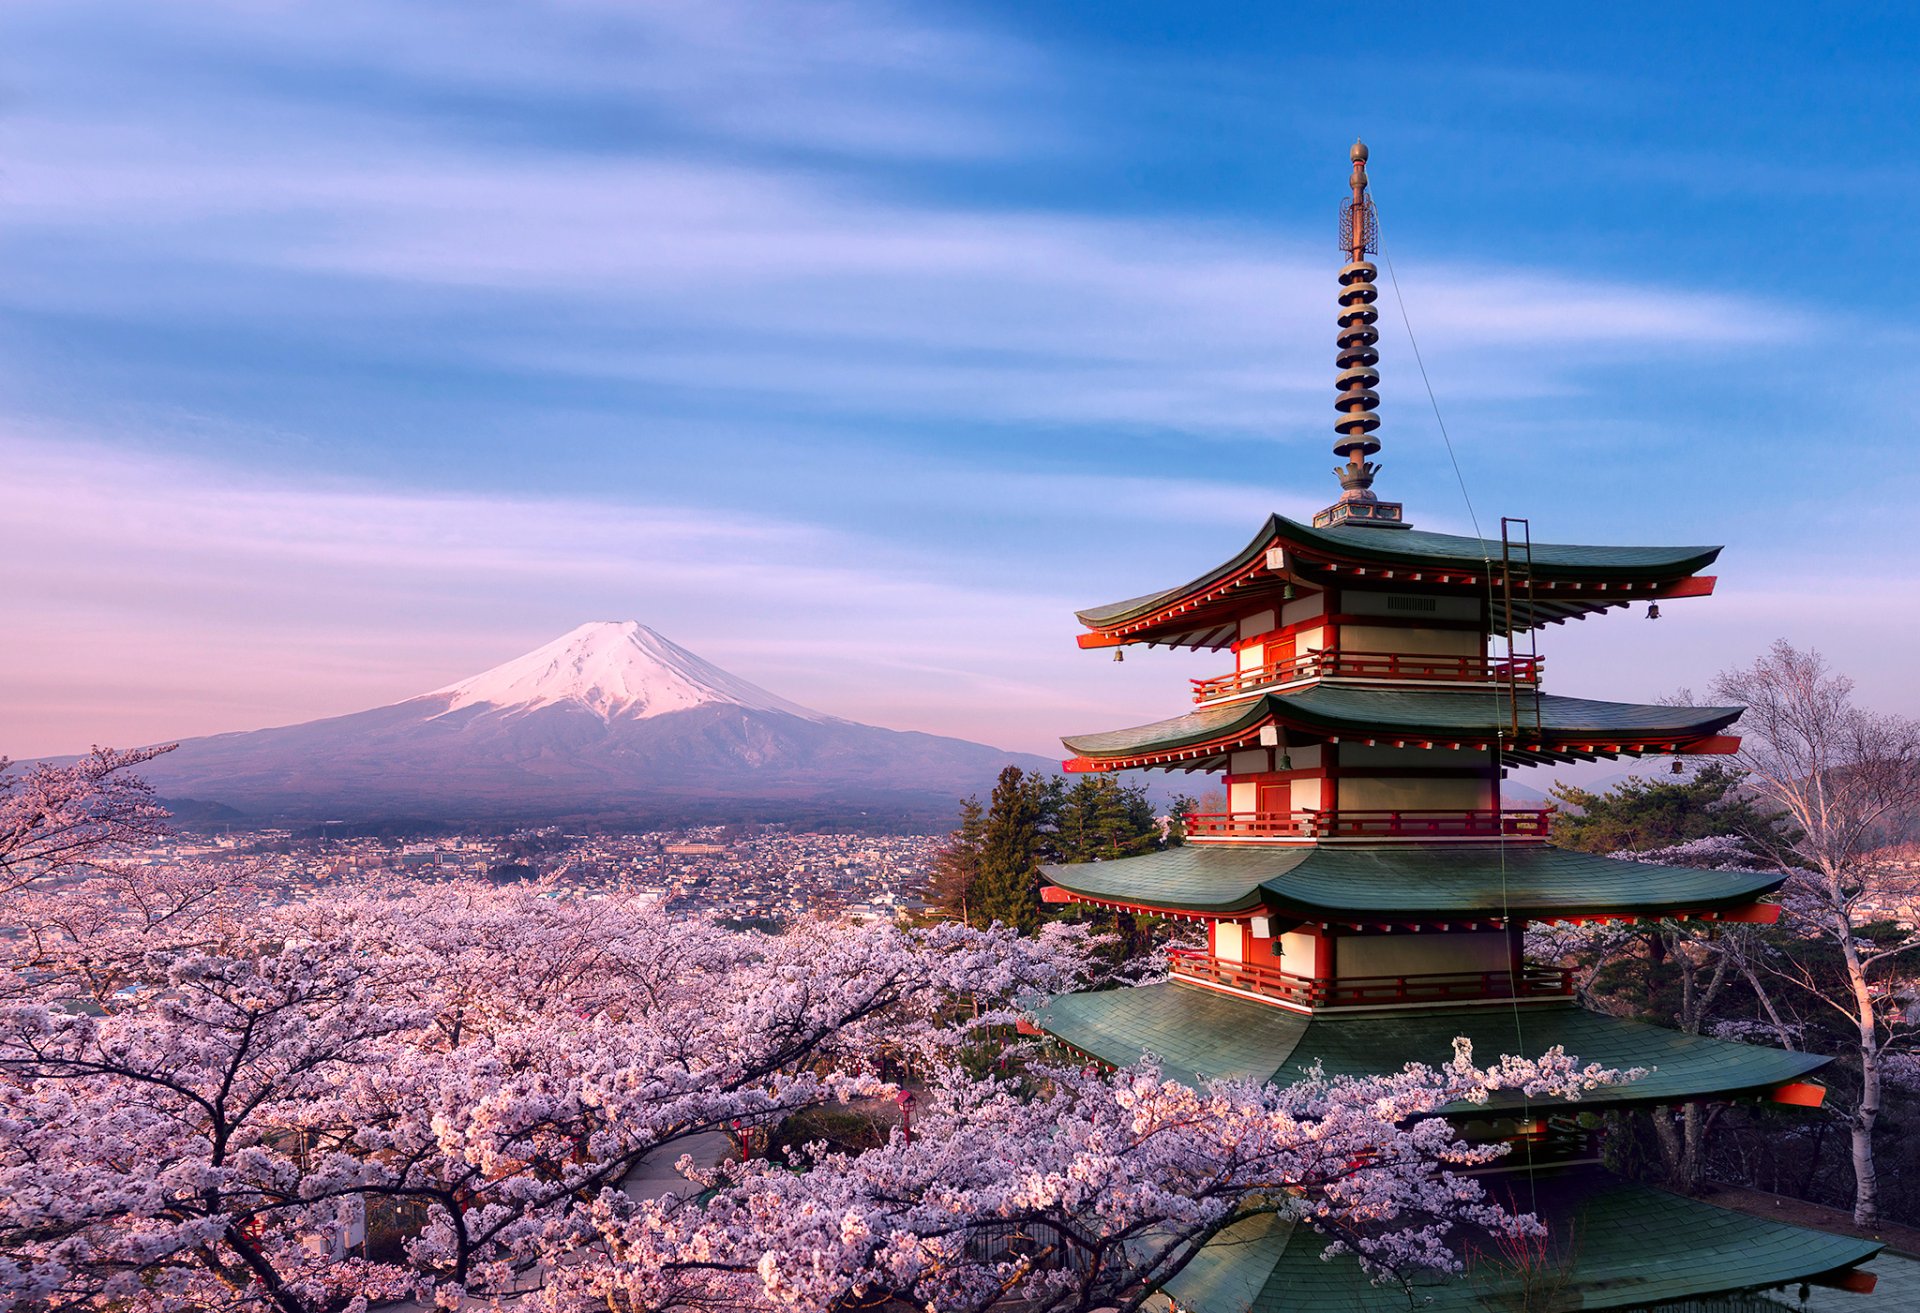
[[1358, 362]]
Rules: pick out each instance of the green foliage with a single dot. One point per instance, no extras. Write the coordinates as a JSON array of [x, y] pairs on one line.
[[956, 868], [1101, 819], [1638, 814], [842, 1129], [1016, 839], [990, 868]]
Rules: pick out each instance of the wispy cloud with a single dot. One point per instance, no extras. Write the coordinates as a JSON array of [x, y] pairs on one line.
[[763, 322], [710, 197], [158, 597]]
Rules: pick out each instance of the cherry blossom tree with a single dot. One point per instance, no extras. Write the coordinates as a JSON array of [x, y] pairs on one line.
[[88, 936], [54, 819], [1847, 780], [1087, 1193], [205, 1086], [498, 1060], [212, 1136]]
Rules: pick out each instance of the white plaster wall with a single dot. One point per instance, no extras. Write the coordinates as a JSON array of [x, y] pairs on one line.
[[1415, 795], [1359, 754], [1412, 954], [1296, 951], [1304, 608], [1227, 945], [1395, 638]]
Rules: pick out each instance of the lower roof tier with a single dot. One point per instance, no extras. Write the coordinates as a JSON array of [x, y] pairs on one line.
[[1199, 1035], [1625, 1246], [1568, 728], [1410, 883]]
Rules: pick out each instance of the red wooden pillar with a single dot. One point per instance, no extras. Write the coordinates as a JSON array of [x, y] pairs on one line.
[[1326, 963], [1516, 952]]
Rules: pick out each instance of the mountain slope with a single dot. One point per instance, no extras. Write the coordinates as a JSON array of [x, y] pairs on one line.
[[609, 721]]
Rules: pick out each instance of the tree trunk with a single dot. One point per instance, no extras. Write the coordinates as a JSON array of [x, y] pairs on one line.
[[1866, 1178], [1672, 1151], [1693, 1152]]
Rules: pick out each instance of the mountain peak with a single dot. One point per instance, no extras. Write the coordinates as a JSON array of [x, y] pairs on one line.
[[617, 669]]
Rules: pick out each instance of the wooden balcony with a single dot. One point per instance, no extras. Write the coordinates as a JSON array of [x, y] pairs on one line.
[[1350, 823], [1414, 666], [1362, 991]]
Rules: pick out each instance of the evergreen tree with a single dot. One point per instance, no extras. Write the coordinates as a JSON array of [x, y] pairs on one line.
[[1638, 814], [1015, 839], [956, 868], [1101, 819]]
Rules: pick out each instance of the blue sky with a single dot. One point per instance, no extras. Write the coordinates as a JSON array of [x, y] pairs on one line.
[[346, 350]]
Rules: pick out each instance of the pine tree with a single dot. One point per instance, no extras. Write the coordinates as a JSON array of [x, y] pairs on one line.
[[1101, 819], [1638, 814], [956, 868], [1015, 840]]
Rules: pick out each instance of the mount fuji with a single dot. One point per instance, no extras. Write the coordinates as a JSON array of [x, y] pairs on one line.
[[611, 722]]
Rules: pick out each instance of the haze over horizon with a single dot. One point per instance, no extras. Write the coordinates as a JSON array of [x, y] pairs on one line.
[[351, 351]]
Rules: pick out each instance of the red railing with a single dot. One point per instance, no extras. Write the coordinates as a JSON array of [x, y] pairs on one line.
[[1372, 665], [1352, 823], [1354, 991]]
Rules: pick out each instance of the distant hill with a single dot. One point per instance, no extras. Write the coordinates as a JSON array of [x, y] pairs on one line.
[[612, 724]]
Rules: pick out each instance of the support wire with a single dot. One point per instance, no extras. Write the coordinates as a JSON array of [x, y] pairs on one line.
[[1486, 557]]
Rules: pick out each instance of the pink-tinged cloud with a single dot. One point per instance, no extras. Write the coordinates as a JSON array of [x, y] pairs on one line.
[[156, 598]]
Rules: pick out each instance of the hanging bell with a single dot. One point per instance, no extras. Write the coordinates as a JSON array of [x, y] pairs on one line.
[[1119, 654], [1653, 611]]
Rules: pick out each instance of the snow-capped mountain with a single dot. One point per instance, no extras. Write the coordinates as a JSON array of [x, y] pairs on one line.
[[609, 722], [617, 669]]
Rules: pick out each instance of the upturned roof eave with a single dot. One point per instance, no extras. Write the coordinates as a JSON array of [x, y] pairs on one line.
[[1302, 710], [1367, 546], [1629, 1246], [1199, 1034], [1423, 889]]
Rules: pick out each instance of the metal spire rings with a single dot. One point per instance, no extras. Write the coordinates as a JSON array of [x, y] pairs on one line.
[[1359, 365], [1358, 360]]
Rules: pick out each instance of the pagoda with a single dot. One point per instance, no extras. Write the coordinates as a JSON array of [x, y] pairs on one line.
[[1366, 894]]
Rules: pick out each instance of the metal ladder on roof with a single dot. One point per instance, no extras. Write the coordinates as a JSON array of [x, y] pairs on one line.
[[1520, 677]]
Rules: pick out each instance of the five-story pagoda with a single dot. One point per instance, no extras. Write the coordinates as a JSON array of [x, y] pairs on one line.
[[1366, 894]]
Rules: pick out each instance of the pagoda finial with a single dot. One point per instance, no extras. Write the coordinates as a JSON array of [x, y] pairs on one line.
[[1359, 232], [1358, 363]]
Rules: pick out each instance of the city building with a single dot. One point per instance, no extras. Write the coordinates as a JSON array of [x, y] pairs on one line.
[[1365, 894]]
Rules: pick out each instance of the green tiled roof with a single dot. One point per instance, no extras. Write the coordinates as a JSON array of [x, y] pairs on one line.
[[1406, 880], [1630, 1247], [1199, 1034], [1194, 878], [1381, 712], [1417, 548], [1194, 727]]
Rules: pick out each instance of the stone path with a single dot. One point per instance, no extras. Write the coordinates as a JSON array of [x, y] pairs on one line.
[[654, 1176]]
